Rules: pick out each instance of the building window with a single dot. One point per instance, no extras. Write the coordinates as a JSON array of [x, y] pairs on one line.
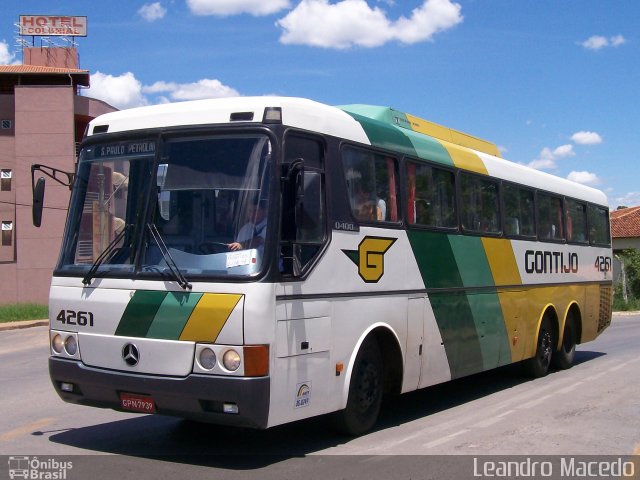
[[7, 233], [6, 124], [5, 180]]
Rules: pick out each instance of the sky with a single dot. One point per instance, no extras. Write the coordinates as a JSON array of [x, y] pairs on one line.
[[555, 84]]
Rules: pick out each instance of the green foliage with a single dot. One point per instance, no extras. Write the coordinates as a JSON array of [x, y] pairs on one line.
[[23, 311], [631, 260]]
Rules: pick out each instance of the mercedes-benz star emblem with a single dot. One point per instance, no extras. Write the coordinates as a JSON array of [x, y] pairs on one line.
[[130, 354]]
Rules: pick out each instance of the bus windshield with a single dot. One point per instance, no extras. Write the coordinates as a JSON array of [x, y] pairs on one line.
[[207, 214]]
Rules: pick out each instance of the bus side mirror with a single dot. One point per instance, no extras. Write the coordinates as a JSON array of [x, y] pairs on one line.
[[38, 202]]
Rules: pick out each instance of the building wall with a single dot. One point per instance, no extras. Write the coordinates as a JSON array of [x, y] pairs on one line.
[[7, 185], [624, 243], [45, 133]]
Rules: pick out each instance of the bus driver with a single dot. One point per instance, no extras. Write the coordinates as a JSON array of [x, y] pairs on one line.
[[252, 233]]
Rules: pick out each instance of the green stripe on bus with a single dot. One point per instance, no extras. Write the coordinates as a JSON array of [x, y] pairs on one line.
[[485, 307], [139, 314], [429, 149], [383, 136], [490, 328], [173, 315], [437, 263], [435, 258], [470, 255], [458, 330]]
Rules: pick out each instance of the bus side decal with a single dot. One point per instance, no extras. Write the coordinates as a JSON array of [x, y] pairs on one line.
[[471, 323]]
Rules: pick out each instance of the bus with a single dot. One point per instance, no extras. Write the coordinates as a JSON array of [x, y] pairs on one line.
[[256, 261]]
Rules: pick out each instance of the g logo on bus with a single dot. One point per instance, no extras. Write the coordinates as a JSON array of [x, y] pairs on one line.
[[370, 257], [130, 354]]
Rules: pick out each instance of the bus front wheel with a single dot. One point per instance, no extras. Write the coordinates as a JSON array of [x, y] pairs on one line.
[[365, 392]]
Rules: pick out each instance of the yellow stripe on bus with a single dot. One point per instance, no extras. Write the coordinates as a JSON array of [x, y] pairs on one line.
[[502, 261], [464, 158], [209, 316]]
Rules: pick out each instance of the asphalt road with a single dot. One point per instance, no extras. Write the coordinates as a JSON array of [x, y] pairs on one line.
[[591, 409]]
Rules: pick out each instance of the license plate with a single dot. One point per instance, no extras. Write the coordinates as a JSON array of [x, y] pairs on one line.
[[137, 403]]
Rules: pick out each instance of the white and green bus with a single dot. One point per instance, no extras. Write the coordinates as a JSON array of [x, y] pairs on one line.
[[256, 261]]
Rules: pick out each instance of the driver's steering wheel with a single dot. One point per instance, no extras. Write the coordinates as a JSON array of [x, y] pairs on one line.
[[209, 248]]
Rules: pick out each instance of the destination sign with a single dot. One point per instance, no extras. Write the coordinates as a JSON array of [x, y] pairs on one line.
[[121, 149]]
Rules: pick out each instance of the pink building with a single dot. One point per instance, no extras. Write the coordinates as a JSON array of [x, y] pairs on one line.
[[42, 120]]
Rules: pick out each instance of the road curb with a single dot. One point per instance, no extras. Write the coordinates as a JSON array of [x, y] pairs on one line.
[[23, 324]]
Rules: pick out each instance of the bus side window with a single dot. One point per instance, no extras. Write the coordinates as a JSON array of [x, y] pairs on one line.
[[372, 185], [480, 206], [598, 218], [576, 221], [550, 217], [431, 196], [519, 211], [303, 237]]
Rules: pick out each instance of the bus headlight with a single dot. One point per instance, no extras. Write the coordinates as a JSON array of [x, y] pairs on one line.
[[207, 359], [64, 344], [71, 345], [57, 344], [231, 360]]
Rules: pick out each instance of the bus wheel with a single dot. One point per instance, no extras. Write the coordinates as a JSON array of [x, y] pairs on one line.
[[538, 366], [563, 358], [365, 392]]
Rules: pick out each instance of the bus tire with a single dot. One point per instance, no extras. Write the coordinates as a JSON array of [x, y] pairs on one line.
[[538, 365], [563, 357], [366, 388]]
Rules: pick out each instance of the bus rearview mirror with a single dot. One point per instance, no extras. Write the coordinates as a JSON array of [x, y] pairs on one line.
[[38, 202]]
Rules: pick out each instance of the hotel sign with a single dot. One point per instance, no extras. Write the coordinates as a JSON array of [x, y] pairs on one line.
[[53, 25]]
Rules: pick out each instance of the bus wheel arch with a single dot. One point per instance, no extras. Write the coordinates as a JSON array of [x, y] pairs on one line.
[[375, 370]]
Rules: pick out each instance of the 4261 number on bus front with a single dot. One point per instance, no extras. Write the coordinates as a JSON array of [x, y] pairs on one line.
[[72, 317]]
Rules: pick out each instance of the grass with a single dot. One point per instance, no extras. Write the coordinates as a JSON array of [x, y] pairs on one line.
[[619, 305], [23, 311]]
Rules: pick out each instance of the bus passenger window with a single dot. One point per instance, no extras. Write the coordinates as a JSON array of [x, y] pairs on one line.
[[480, 206], [576, 216], [599, 233], [519, 211], [372, 185], [550, 218], [431, 196]]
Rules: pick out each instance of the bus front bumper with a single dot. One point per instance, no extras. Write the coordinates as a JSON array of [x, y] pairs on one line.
[[198, 397]]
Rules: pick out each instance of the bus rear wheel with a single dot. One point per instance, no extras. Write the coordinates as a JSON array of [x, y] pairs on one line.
[[365, 392], [563, 358], [538, 366]]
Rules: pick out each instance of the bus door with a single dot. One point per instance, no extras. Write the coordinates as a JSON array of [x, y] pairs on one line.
[[426, 360]]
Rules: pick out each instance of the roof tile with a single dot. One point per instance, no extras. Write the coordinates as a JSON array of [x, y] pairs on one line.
[[625, 223]]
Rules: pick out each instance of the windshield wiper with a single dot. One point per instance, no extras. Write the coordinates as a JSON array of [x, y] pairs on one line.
[[173, 267], [101, 258]]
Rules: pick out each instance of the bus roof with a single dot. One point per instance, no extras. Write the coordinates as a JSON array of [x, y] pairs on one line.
[[371, 125]]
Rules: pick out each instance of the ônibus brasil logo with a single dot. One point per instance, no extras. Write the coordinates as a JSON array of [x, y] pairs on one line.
[[35, 468]]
